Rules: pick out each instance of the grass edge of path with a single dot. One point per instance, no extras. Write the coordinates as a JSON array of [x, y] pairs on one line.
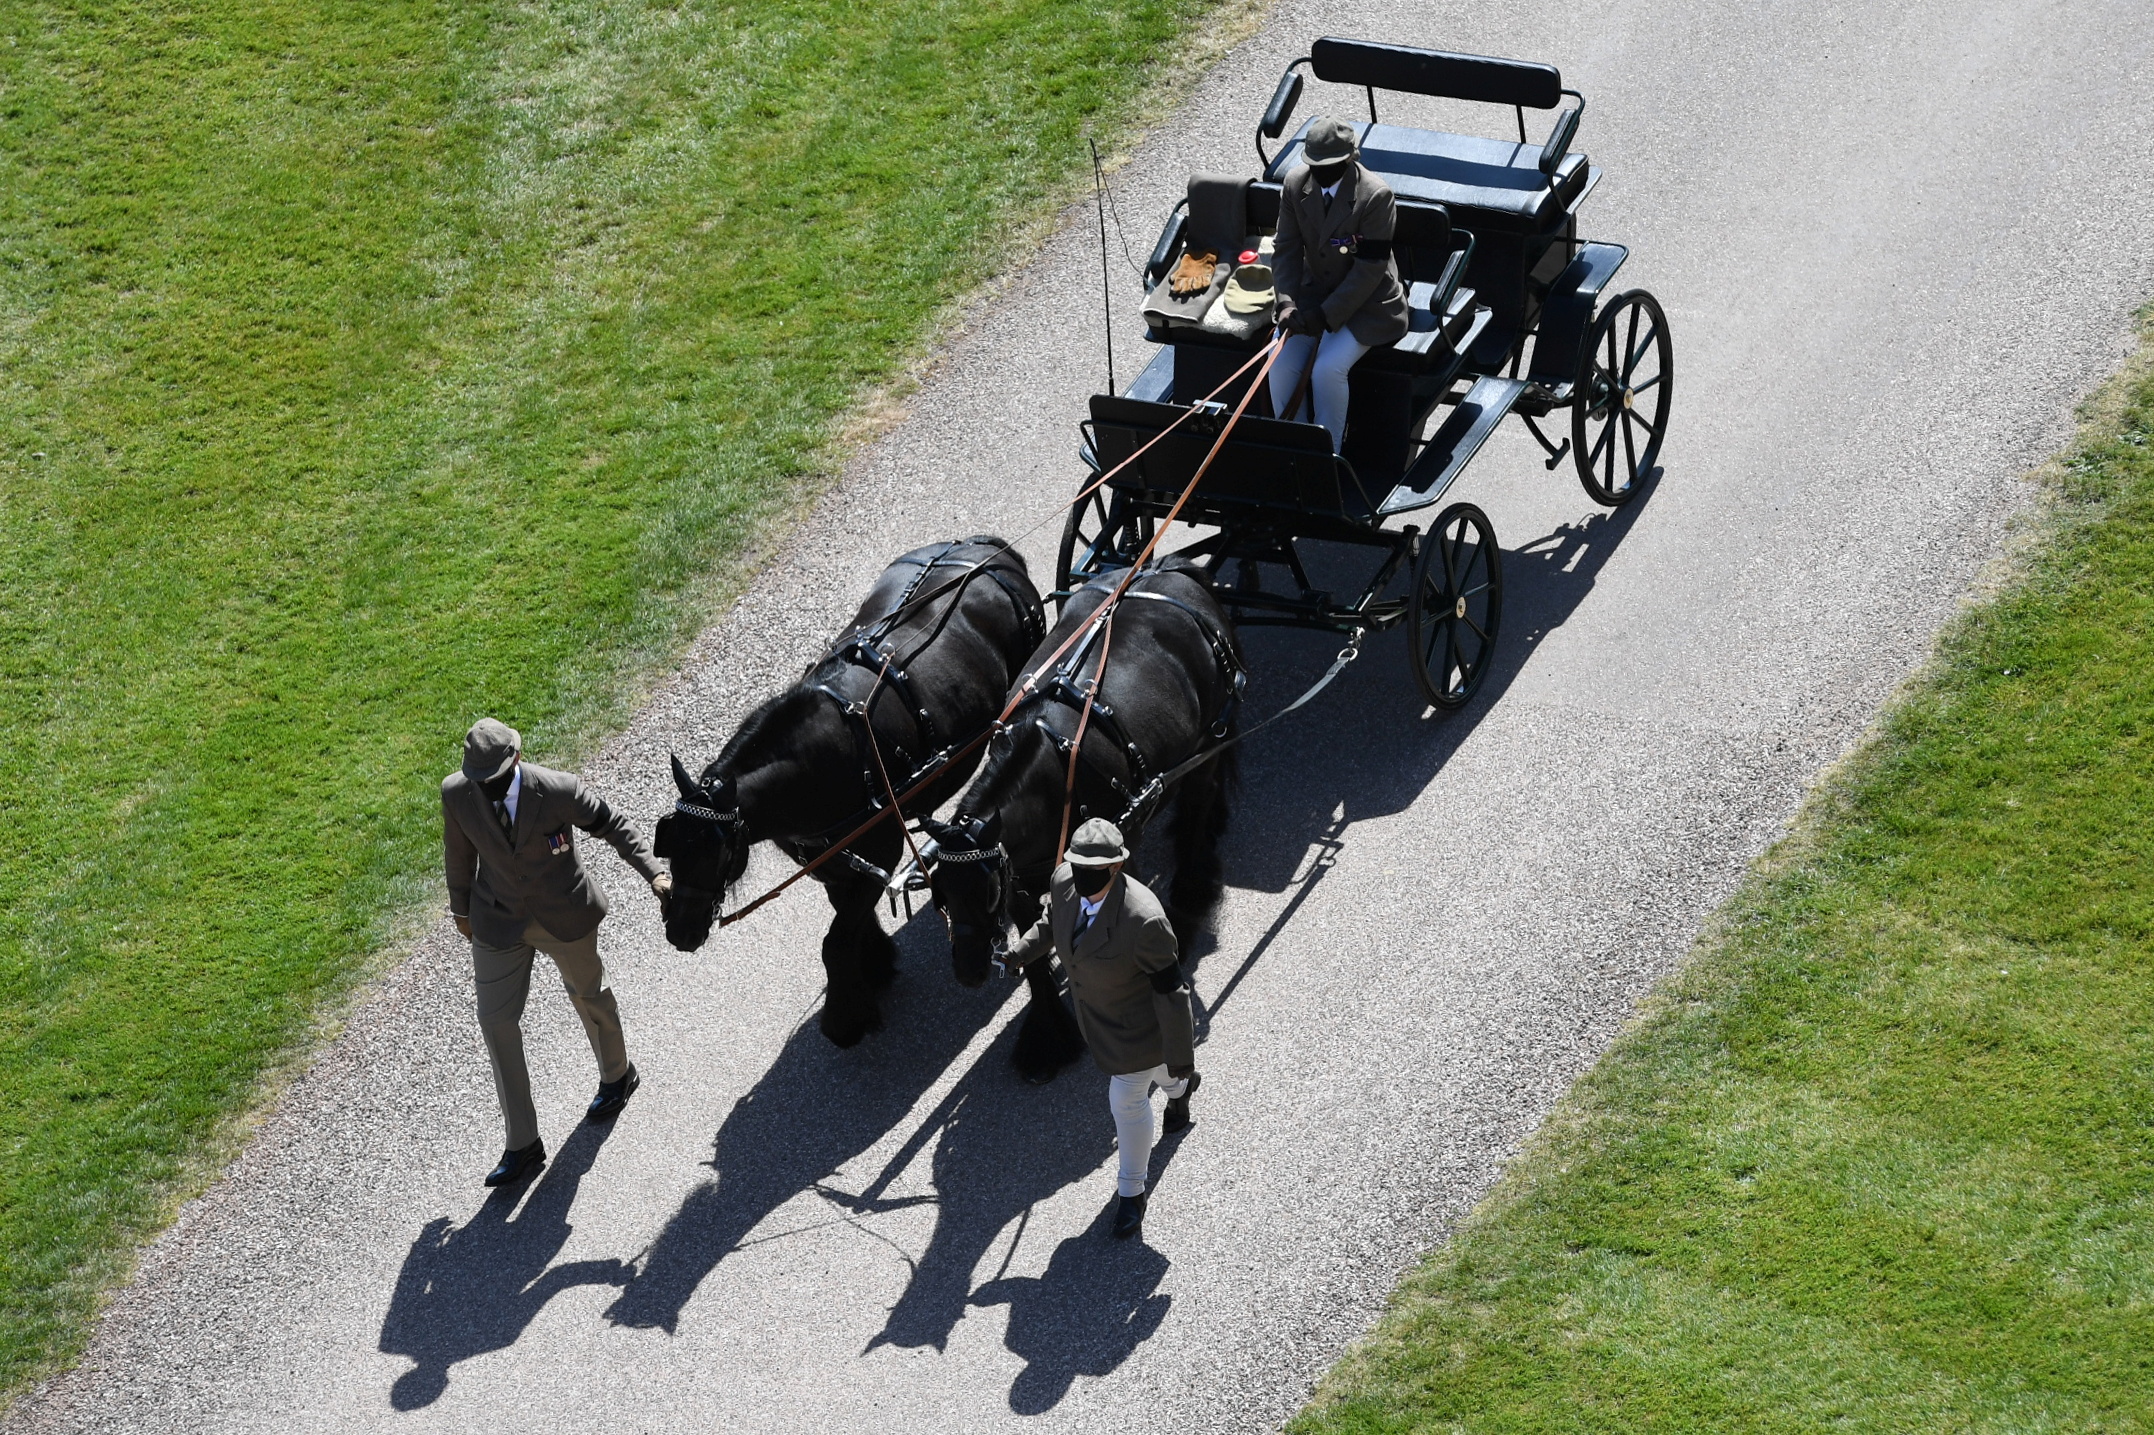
[[1369, 1388]]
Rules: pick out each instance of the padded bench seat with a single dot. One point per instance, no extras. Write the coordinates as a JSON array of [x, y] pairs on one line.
[[1483, 182]]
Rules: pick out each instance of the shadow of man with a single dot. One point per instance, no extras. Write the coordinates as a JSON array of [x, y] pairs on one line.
[[466, 1290], [1097, 1301], [814, 1110], [1002, 1146]]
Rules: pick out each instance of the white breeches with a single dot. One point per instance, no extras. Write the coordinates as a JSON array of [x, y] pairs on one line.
[[1336, 354], [1130, 1099]]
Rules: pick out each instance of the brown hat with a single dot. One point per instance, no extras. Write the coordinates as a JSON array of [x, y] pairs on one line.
[[1097, 844], [1328, 141], [489, 748]]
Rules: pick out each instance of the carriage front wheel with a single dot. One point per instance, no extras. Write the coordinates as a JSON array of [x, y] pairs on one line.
[[1456, 605], [1626, 376], [1102, 533]]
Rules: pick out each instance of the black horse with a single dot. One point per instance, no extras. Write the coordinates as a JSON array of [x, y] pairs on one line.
[[920, 672], [1170, 692]]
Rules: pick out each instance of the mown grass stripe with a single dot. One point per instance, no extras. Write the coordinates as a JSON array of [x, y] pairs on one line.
[[364, 367]]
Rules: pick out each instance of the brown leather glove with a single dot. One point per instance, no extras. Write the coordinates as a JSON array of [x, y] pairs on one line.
[[1194, 274]]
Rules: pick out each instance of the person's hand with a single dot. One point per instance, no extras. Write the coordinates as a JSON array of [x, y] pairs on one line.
[[662, 886], [1181, 1073], [463, 923], [1284, 316]]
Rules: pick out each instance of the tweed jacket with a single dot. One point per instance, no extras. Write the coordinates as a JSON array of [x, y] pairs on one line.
[[1126, 981], [1352, 289], [501, 884]]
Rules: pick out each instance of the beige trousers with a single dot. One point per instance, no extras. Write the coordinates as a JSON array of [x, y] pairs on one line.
[[502, 976]]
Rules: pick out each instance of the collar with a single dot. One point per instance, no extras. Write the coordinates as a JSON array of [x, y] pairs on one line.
[[516, 787]]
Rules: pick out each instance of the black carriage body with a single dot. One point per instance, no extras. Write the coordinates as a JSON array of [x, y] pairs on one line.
[[1504, 306]]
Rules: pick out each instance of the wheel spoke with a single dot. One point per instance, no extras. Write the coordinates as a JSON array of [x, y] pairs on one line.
[[1630, 341], [1609, 485], [1607, 433], [1451, 661], [1639, 419], [1630, 453], [1649, 383], [1637, 352], [1477, 628]]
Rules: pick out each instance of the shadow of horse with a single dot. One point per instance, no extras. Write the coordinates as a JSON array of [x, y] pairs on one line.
[[1002, 1146], [815, 1109], [470, 1289]]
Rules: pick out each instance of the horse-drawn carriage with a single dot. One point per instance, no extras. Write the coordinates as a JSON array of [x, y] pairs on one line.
[[1487, 246], [889, 724]]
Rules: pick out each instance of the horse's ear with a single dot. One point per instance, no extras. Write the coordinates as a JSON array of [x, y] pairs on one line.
[[988, 830], [938, 832], [684, 782], [662, 838]]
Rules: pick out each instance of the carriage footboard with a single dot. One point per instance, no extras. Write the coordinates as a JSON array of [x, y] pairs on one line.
[[1458, 440]]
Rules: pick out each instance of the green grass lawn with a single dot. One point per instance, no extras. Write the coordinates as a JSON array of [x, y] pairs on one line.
[[1882, 1156], [365, 367]]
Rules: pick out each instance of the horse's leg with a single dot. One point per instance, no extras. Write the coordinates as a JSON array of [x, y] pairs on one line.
[[1048, 1040], [850, 1010], [1200, 821]]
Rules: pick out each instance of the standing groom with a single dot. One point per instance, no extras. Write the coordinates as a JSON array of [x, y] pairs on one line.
[[517, 887]]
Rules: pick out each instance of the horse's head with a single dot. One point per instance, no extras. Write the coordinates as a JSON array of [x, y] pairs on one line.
[[972, 883], [706, 843]]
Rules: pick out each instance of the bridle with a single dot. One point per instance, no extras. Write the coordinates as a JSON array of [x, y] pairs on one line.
[[996, 862]]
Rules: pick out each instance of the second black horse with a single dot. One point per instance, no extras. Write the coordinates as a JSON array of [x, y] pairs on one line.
[[1165, 676]]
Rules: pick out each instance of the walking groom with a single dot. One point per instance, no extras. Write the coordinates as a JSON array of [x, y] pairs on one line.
[[517, 887]]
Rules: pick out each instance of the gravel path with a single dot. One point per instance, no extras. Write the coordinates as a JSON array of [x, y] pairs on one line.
[[1896, 243]]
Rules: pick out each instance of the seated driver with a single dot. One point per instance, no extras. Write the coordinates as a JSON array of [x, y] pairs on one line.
[[1338, 287]]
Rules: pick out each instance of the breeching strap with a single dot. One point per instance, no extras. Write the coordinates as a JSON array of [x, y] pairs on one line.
[[1269, 354]]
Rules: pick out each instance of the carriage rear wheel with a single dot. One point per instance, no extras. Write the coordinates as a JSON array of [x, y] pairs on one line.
[[1101, 534], [1626, 376], [1456, 605]]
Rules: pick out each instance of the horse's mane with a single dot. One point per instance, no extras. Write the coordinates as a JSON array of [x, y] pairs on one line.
[[776, 716]]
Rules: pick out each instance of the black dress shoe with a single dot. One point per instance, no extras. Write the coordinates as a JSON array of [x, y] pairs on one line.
[[1177, 1118], [518, 1165], [1128, 1217], [612, 1096]]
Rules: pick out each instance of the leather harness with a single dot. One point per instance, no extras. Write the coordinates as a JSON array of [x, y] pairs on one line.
[[867, 649], [1067, 689]]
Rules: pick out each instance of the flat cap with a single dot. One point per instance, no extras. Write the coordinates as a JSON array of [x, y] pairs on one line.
[[1329, 141], [1097, 844], [489, 748]]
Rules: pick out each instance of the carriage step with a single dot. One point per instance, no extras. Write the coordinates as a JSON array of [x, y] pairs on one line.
[[1460, 438]]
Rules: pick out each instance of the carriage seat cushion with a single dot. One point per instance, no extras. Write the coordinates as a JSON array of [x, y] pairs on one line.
[[1483, 182]]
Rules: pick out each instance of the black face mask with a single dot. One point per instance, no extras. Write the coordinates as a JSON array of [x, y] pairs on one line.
[[1327, 175], [1091, 881], [498, 789]]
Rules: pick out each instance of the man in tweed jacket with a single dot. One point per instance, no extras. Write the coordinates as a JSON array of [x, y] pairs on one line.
[[517, 887], [1131, 997], [1338, 286]]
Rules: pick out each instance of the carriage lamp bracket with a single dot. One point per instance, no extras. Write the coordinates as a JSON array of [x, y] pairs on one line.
[[1554, 451]]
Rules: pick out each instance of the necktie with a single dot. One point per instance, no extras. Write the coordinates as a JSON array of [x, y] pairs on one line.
[[508, 823]]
